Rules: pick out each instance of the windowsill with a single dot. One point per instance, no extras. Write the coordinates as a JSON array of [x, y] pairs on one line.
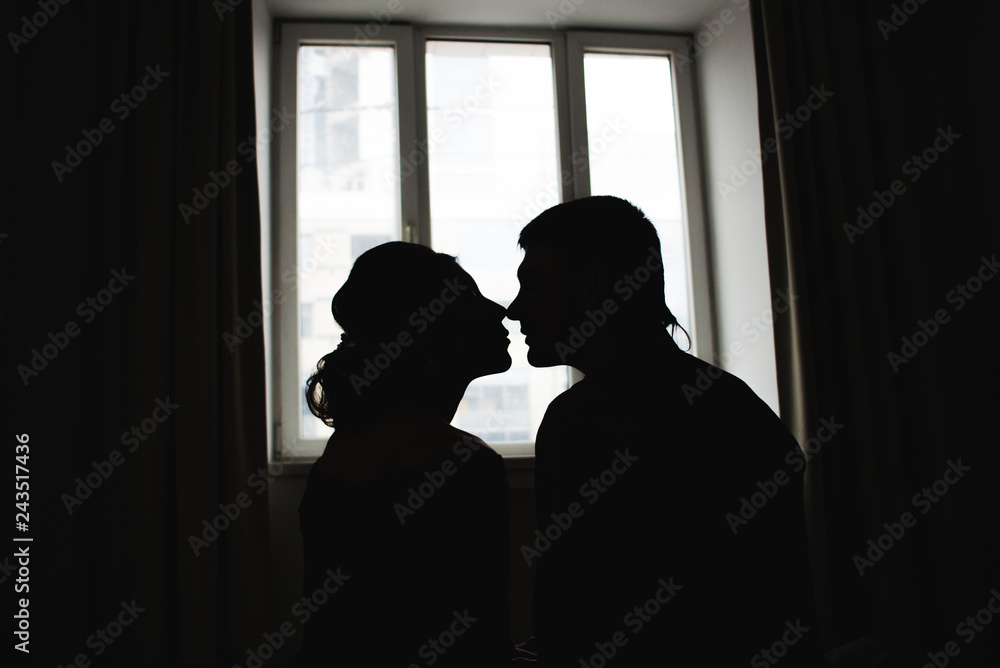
[[520, 469]]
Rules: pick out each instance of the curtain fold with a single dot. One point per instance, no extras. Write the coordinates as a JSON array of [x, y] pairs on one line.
[[879, 211], [149, 494]]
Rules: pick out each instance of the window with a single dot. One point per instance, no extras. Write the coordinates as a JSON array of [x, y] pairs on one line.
[[456, 138]]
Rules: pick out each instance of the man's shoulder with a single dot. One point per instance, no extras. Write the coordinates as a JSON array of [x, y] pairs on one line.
[[573, 411], [703, 384], [674, 377], [675, 393]]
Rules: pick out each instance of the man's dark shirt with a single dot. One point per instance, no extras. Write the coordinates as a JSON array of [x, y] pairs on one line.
[[658, 566]]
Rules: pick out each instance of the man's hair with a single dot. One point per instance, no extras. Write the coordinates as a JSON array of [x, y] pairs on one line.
[[610, 230]]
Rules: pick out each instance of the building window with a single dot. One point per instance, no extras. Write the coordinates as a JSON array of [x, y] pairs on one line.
[[456, 138]]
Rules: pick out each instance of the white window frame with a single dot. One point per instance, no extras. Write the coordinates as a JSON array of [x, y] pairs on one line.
[[567, 48], [578, 43]]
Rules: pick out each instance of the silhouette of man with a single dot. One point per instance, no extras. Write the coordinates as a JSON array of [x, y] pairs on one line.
[[668, 495]]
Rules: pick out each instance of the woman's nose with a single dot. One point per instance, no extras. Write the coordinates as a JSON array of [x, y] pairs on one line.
[[496, 308]]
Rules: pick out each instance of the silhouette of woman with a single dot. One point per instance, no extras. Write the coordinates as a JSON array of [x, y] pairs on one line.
[[404, 519]]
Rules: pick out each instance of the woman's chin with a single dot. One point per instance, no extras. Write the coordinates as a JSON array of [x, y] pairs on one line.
[[496, 364]]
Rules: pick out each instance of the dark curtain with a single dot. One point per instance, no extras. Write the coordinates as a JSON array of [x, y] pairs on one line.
[[883, 339], [146, 423]]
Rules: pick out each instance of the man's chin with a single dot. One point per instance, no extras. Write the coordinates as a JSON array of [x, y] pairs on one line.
[[506, 363], [543, 357]]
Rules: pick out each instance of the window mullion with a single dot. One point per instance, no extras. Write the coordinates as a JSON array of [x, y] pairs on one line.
[[574, 155], [412, 135]]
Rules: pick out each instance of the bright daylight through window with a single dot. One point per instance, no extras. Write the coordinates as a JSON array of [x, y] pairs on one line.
[[459, 151]]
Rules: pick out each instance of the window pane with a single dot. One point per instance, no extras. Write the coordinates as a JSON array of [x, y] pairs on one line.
[[632, 131], [348, 168], [492, 162]]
